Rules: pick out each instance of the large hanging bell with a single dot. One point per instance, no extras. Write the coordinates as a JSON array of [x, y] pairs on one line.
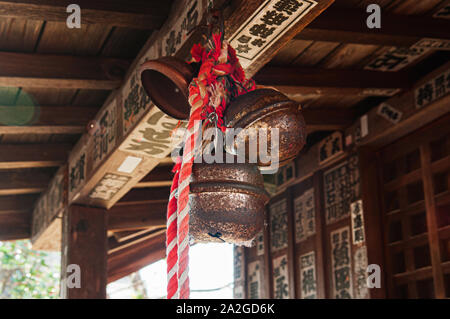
[[166, 80], [266, 109], [226, 202]]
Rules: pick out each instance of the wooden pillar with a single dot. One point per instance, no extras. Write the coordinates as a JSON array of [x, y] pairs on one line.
[[291, 244], [433, 235], [320, 238], [372, 207], [84, 244], [268, 284]]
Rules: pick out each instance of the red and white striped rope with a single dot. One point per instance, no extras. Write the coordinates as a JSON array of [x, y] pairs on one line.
[[177, 243], [190, 148], [172, 238], [217, 62]]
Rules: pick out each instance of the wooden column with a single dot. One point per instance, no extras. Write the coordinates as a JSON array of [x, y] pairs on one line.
[[84, 243], [268, 285], [372, 207], [291, 244], [320, 238], [433, 236]]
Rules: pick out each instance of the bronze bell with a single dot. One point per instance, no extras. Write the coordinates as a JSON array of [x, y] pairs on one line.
[[226, 202], [166, 80], [267, 108]]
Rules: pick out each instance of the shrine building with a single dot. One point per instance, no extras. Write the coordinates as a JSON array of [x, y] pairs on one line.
[[360, 210]]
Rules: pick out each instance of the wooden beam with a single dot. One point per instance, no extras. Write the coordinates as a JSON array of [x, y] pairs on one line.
[[145, 196], [137, 216], [159, 176], [10, 203], [60, 71], [15, 225], [124, 262], [256, 57], [84, 243], [382, 131], [328, 119], [136, 14], [115, 245], [125, 235], [27, 181], [349, 26], [46, 229], [45, 119], [33, 155], [295, 80]]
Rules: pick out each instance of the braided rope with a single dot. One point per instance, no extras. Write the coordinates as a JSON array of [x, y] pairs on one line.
[[220, 78], [189, 152], [171, 241]]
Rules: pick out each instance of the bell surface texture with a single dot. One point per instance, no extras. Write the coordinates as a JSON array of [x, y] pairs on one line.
[[266, 109], [226, 202]]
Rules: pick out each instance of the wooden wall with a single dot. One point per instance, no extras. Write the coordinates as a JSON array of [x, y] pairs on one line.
[[310, 248], [387, 206]]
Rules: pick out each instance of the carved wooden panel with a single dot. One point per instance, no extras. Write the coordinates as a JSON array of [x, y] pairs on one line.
[[268, 24], [360, 272], [305, 224], [254, 280], [238, 267], [278, 225], [341, 263], [341, 187], [308, 279], [280, 278]]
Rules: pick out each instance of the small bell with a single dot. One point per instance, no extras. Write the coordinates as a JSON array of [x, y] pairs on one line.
[[266, 109], [166, 80], [226, 202]]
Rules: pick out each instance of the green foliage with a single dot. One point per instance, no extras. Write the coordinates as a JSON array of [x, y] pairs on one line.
[[26, 273]]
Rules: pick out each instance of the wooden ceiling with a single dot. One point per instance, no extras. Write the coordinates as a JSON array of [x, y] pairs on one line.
[[53, 80]]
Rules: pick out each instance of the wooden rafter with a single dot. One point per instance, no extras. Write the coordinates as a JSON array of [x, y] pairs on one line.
[[137, 216], [349, 26], [33, 155], [160, 176], [126, 235], [145, 195], [60, 71], [135, 14], [15, 225], [293, 80], [115, 245], [45, 119], [9, 203], [126, 261], [382, 131], [16, 182], [328, 119]]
